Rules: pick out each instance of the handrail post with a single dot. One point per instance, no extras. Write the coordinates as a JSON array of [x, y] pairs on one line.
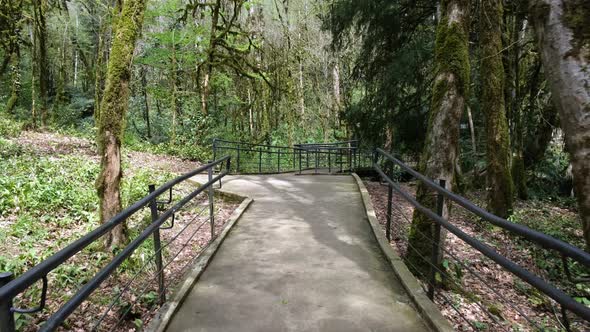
[[307, 157], [316, 160], [6, 316], [436, 228], [350, 161], [214, 148], [279, 162], [330, 161], [259, 160], [211, 214], [238, 161], [157, 249], [299, 161], [389, 204]]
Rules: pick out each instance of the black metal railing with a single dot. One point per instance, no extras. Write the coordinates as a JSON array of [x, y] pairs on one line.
[[192, 214], [398, 228], [321, 158]]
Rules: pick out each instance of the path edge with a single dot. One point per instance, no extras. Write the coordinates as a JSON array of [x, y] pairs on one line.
[[425, 306], [164, 315]]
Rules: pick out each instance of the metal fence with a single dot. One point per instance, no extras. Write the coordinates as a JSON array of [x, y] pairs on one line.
[[447, 271], [322, 158], [190, 214]]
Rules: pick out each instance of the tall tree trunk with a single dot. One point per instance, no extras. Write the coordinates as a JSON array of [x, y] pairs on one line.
[[105, 32], [15, 81], [34, 70], [146, 114], [336, 89], [301, 87], [250, 114], [174, 104], [112, 115], [563, 32], [514, 32], [205, 89], [40, 10], [499, 178], [450, 90]]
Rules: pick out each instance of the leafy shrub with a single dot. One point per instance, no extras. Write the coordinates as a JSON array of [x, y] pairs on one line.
[[8, 126], [549, 177]]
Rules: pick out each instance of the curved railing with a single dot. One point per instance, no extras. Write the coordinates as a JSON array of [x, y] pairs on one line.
[[311, 158]]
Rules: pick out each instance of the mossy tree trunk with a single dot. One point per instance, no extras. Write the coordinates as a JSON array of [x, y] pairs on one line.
[[514, 33], [112, 114], [205, 88], [563, 33], [499, 178], [450, 90], [15, 81], [40, 30]]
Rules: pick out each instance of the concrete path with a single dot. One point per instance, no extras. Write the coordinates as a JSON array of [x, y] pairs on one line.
[[301, 258]]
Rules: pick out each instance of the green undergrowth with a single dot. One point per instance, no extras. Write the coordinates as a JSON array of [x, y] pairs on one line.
[[556, 218], [561, 223], [46, 203], [184, 150]]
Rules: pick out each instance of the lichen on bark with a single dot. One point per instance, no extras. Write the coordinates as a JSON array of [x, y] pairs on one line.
[[440, 151], [111, 120], [499, 178], [562, 29]]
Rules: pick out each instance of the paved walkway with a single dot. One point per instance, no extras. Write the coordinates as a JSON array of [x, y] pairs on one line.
[[301, 258]]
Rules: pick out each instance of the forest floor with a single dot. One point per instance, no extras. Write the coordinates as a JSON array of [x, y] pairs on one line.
[[477, 294], [48, 200]]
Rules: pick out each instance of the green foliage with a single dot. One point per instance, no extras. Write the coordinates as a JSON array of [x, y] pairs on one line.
[[391, 72], [8, 126], [549, 179], [561, 224]]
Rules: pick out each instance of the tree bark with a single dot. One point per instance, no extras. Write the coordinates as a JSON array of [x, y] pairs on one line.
[[173, 98], [205, 89], [40, 27], [450, 90], [15, 82], [563, 33], [112, 114], [514, 32], [146, 114], [499, 178]]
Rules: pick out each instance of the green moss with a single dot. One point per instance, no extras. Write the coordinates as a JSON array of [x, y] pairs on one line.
[[452, 56], [114, 104], [439, 154], [499, 178]]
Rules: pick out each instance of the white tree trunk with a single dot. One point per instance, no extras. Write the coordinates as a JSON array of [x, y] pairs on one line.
[[566, 58]]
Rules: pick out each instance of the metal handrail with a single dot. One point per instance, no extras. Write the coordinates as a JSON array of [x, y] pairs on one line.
[[566, 301], [215, 140], [41, 270], [289, 159], [541, 238]]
